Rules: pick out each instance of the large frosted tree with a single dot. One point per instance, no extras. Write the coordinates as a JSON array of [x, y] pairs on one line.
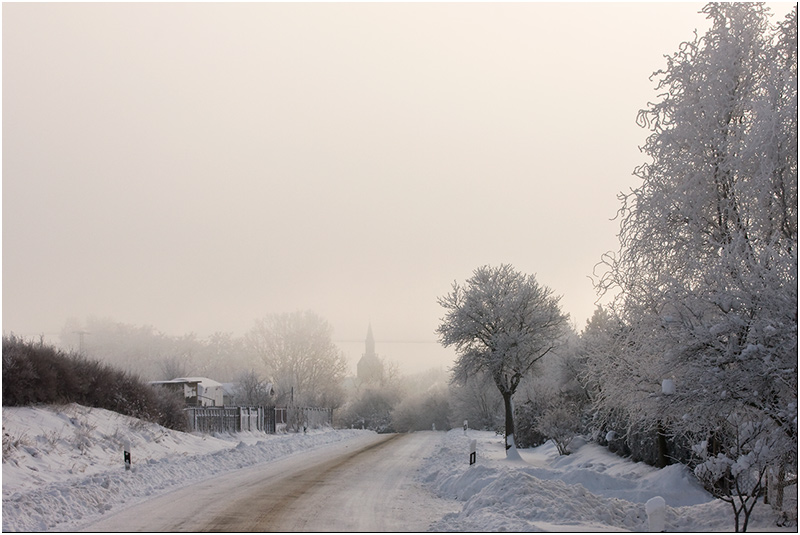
[[300, 358], [707, 270], [501, 323]]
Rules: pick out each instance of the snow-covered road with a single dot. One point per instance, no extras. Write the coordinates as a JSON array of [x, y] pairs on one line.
[[367, 483], [63, 471]]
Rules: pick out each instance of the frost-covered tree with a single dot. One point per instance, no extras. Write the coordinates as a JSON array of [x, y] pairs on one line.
[[174, 366], [553, 404], [223, 357], [252, 389], [501, 322], [621, 379], [707, 268], [301, 359]]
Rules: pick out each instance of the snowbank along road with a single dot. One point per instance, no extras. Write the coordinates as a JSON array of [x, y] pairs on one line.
[[63, 471], [363, 484]]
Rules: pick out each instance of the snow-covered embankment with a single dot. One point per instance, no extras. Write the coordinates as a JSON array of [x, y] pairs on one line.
[[589, 490], [63, 466]]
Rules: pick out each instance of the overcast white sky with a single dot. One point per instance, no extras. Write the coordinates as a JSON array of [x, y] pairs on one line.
[[197, 166]]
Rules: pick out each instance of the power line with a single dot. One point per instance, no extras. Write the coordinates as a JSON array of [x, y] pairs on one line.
[[80, 339], [361, 341]]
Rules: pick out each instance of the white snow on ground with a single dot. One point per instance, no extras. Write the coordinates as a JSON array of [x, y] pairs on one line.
[[63, 468], [589, 490]]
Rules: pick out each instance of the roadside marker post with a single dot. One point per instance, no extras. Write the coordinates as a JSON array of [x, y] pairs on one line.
[[466, 425], [126, 455], [472, 454], [656, 509]]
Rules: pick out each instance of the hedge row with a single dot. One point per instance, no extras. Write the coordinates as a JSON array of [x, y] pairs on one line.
[[36, 373]]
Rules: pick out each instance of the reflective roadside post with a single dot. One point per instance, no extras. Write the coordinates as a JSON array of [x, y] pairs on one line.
[[472, 454], [126, 454], [656, 509], [465, 427]]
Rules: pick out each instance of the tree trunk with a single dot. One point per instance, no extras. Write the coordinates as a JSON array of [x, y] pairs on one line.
[[775, 484], [661, 441], [509, 416]]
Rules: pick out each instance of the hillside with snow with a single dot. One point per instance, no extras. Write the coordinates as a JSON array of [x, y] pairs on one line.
[[63, 466], [63, 469]]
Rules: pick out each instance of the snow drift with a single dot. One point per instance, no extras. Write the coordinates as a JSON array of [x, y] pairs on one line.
[[590, 490]]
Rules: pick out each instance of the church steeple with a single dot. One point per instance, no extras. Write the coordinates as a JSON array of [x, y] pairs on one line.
[[370, 368], [370, 343]]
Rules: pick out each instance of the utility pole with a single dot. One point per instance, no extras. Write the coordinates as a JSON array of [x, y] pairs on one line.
[[80, 340]]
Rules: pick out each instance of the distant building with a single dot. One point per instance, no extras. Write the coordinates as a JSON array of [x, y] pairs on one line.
[[200, 391], [370, 367]]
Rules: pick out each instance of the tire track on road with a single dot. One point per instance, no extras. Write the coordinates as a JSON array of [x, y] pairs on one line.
[[265, 509]]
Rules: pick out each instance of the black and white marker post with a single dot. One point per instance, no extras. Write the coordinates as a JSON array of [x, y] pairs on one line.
[[472, 454], [126, 455]]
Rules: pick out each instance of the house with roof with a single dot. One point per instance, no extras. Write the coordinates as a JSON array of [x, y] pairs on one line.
[[197, 391]]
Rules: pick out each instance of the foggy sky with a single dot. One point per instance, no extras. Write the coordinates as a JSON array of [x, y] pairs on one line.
[[197, 166]]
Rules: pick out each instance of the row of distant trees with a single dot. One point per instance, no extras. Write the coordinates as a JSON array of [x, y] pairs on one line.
[[694, 359], [294, 352], [291, 353]]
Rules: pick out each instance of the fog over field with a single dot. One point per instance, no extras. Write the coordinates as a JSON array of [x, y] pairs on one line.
[[195, 167]]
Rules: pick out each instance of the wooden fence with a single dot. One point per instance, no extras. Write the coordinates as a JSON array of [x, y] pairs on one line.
[[264, 419], [230, 419]]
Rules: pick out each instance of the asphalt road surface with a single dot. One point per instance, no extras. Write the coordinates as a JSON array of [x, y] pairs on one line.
[[366, 484]]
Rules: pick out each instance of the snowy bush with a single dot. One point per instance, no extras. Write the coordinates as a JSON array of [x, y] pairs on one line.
[[35, 373], [527, 416], [560, 422], [732, 463], [371, 410]]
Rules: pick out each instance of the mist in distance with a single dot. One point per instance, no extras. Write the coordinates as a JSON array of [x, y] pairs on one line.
[[195, 167]]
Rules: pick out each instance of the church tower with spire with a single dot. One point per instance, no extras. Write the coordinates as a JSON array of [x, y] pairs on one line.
[[369, 368]]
